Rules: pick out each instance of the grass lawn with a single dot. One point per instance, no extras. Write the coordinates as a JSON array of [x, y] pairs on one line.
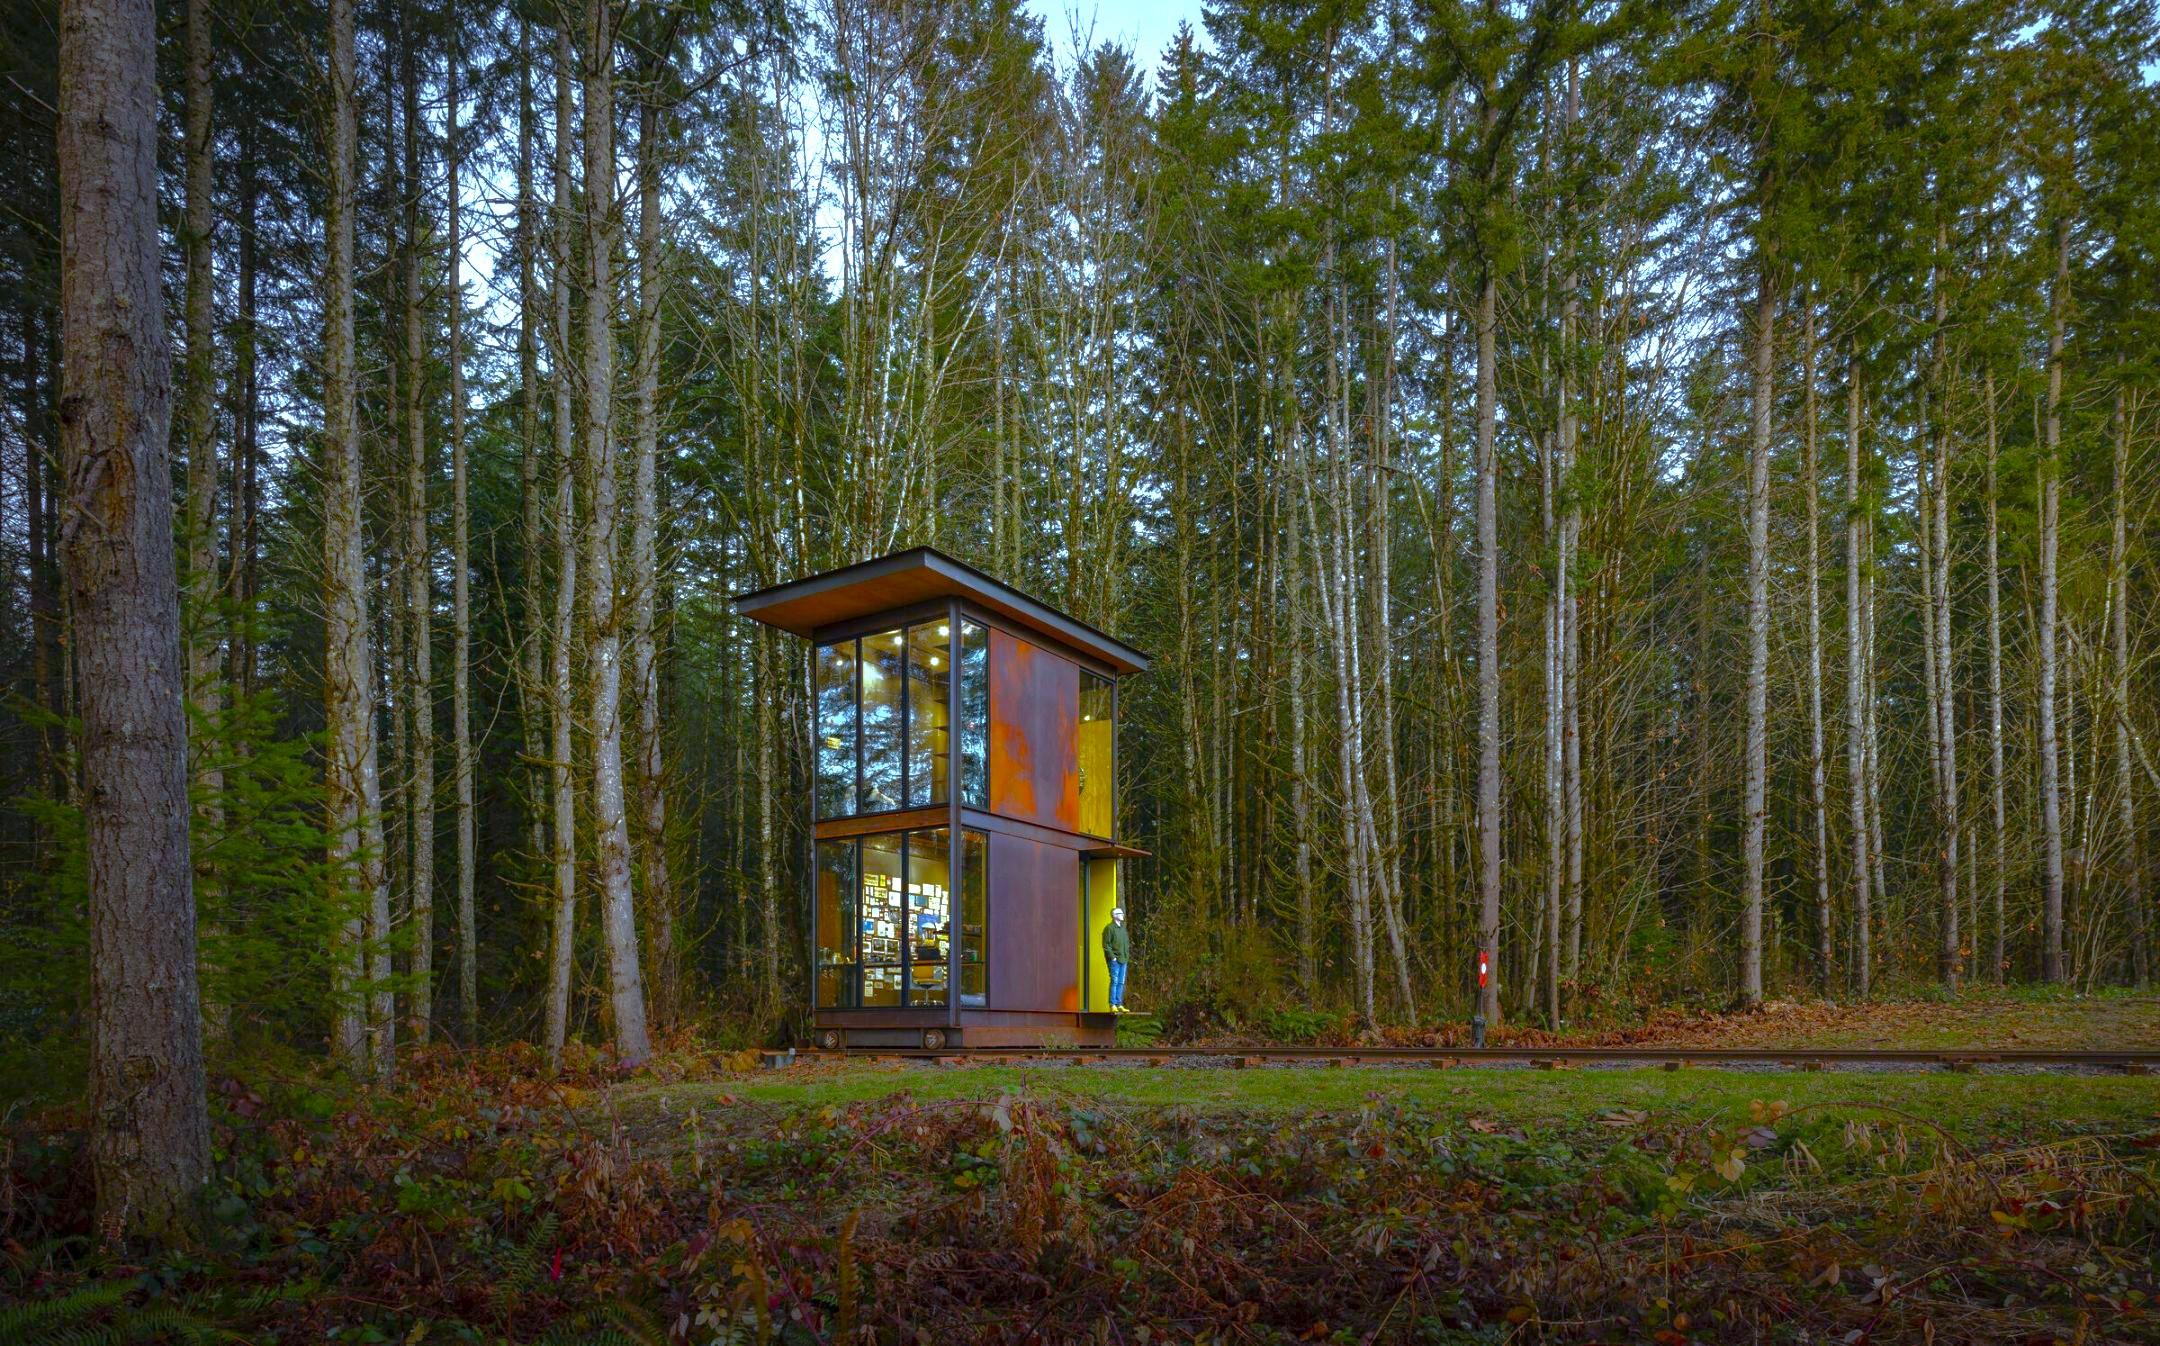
[[1977, 1105]]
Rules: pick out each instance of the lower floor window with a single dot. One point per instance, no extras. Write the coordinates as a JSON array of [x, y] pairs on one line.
[[884, 921]]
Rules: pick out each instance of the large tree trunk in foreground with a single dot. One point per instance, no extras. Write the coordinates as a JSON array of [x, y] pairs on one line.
[[149, 1130], [611, 824]]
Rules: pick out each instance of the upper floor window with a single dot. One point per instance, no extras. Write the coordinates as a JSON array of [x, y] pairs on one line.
[[884, 720], [974, 715], [836, 729]]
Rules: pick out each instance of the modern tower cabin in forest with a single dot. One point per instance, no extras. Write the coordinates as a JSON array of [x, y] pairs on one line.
[[964, 790]]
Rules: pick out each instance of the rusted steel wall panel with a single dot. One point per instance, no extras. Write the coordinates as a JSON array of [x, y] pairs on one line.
[[1034, 938], [1034, 733]]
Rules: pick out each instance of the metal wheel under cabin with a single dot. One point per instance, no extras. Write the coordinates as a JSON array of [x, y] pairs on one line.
[[964, 785]]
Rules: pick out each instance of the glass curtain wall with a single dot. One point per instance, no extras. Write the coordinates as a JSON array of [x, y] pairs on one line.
[[835, 694], [837, 899], [929, 713], [884, 720], [929, 916], [974, 715], [884, 709], [884, 917]]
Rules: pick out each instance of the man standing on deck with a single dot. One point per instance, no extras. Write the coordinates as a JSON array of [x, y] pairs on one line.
[[1117, 951]]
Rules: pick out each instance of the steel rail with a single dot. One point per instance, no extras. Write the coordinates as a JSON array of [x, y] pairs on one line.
[[2133, 1058]]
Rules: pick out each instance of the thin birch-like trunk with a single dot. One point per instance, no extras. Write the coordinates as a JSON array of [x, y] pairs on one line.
[[611, 823], [532, 646], [562, 947], [1818, 786], [1570, 606], [1488, 634], [1300, 768], [1878, 835], [1758, 676], [419, 571], [351, 779], [1380, 522], [1555, 798], [1945, 692], [2001, 957], [2050, 484], [1555, 618], [1923, 545], [2126, 779], [1855, 680], [768, 730], [468, 841], [1327, 576], [642, 654], [2076, 853]]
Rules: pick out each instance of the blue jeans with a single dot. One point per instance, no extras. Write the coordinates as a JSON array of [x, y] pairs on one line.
[[1117, 982]]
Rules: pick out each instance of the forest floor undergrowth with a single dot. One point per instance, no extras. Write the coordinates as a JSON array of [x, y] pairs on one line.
[[705, 1200]]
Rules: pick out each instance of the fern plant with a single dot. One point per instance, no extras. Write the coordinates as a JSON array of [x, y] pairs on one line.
[[616, 1325], [525, 1265], [98, 1314]]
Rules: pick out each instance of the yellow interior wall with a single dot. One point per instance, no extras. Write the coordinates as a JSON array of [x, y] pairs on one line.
[[1096, 758], [1101, 896]]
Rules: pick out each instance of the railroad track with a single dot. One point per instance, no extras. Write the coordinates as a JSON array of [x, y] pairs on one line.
[[2136, 1061]]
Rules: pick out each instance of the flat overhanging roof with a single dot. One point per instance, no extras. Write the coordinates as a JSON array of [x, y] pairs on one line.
[[919, 575]]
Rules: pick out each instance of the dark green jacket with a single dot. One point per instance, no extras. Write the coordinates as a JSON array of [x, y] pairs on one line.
[[1116, 943]]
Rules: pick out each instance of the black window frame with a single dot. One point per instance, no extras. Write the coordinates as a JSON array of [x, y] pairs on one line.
[[955, 903], [902, 621]]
